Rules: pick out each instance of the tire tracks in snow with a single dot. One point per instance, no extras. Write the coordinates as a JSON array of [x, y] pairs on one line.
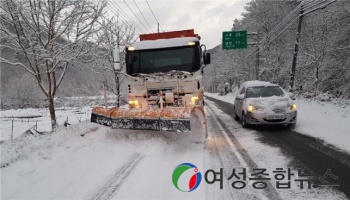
[[222, 156], [109, 189], [241, 154]]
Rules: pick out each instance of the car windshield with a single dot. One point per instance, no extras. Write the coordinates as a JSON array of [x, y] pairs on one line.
[[163, 60], [264, 91]]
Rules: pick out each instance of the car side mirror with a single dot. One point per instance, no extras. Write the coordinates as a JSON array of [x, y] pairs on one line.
[[206, 58], [291, 95], [240, 96]]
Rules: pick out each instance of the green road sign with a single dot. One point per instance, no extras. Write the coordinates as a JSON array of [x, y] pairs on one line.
[[234, 40]]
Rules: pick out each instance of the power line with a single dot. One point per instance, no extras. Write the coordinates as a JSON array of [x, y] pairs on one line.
[[143, 16], [277, 30], [138, 30], [118, 11], [134, 14], [121, 20], [305, 6], [132, 28], [124, 17], [320, 6], [154, 15], [128, 24], [121, 17]]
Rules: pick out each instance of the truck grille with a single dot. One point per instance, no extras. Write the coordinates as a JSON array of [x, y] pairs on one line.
[[153, 97]]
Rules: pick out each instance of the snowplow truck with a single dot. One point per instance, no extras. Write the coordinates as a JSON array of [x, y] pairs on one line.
[[164, 84]]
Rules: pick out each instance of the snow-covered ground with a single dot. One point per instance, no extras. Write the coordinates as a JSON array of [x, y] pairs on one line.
[[328, 121], [67, 165], [90, 161], [18, 121]]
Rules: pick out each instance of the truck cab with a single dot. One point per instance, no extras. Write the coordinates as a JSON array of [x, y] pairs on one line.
[[168, 65]]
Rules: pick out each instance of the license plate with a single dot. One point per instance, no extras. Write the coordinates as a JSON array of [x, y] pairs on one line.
[[275, 117]]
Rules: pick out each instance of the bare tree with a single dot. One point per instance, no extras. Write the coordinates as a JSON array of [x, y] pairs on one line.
[[116, 35], [49, 35]]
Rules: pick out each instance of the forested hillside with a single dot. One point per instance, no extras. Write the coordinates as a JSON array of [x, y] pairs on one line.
[[19, 89], [44, 58], [323, 62]]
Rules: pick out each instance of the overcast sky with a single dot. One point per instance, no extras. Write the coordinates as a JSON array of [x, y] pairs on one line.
[[208, 18]]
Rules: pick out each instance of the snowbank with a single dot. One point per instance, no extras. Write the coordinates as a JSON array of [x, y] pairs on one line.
[[26, 144]]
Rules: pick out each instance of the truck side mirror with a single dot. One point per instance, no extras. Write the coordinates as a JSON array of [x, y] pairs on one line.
[[116, 59], [206, 58]]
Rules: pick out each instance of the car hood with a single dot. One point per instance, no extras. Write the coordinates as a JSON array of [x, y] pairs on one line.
[[273, 104]]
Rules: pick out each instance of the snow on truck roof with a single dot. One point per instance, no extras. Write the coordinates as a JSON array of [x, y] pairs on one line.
[[257, 83], [164, 43]]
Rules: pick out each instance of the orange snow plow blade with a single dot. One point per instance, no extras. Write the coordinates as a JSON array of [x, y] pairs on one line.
[[175, 119]]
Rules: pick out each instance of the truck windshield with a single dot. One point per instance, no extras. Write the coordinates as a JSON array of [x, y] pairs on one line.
[[163, 60]]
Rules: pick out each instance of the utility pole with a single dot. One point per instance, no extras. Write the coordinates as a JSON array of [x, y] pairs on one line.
[[296, 49], [116, 74], [308, 10], [257, 75], [257, 58], [105, 94]]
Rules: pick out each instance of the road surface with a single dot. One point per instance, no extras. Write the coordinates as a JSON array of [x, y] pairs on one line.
[[90, 161]]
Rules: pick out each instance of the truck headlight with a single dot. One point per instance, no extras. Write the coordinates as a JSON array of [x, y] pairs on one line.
[[194, 100], [131, 48], [134, 103], [191, 43]]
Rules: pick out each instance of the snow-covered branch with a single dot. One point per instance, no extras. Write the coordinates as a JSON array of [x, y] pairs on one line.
[[50, 35]]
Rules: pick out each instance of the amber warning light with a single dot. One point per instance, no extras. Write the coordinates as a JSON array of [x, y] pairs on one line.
[[168, 35]]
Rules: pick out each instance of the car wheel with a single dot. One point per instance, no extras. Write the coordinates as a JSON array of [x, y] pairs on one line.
[[235, 114], [244, 122]]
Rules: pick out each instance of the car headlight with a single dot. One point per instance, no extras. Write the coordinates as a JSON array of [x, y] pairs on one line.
[[250, 108], [134, 104], [293, 106]]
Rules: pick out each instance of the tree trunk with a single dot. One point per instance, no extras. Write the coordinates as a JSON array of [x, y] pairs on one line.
[[52, 113], [117, 86]]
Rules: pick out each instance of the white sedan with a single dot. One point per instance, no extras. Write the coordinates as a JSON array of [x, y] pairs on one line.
[[259, 102]]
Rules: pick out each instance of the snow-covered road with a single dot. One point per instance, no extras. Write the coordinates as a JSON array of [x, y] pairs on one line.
[[89, 161], [326, 120], [102, 164]]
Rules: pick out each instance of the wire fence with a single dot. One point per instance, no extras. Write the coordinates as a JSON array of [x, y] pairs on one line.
[[14, 126]]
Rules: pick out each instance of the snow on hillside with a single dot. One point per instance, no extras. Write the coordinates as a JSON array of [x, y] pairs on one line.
[[328, 121]]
